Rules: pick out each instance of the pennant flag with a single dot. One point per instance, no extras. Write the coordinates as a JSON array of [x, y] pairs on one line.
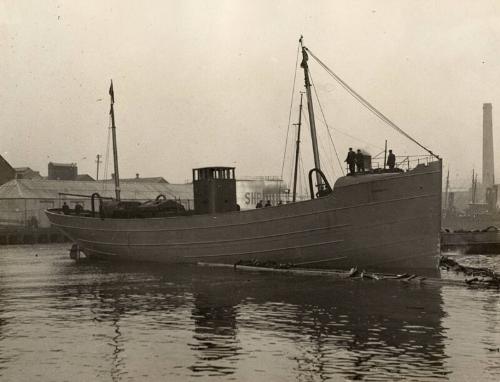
[[112, 93]]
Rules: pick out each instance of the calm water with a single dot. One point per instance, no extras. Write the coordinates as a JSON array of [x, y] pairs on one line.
[[61, 321]]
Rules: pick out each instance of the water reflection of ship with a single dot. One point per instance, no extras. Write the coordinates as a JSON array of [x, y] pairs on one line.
[[3, 323], [109, 309], [214, 335], [120, 292], [340, 328]]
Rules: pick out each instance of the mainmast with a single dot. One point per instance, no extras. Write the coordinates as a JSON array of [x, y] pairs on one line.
[[310, 110], [294, 195], [115, 147]]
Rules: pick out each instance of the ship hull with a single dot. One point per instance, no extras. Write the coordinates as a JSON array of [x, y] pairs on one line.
[[374, 222]]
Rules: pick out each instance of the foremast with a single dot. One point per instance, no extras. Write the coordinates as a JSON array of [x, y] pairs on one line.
[[310, 110], [115, 146], [297, 152]]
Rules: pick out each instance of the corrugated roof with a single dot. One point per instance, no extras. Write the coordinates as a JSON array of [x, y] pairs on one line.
[[63, 164], [84, 177], [50, 189], [155, 179], [5, 163]]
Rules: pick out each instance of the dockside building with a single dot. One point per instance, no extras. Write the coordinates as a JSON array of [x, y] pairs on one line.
[[23, 201]]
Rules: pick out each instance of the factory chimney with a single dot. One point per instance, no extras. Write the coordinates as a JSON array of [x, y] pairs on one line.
[[488, 159]]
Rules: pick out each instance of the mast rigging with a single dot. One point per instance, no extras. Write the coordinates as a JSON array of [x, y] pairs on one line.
[[365, 103], [310, 109]]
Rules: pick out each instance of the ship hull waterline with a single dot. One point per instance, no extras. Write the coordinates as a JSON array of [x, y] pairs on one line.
[[381, 222]]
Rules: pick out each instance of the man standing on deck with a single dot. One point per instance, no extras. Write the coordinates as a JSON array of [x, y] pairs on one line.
[[391, 160], [65, 209], [351, 161], [360, 161]]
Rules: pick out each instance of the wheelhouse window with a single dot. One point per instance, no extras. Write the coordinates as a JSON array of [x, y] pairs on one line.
[[213, 173]]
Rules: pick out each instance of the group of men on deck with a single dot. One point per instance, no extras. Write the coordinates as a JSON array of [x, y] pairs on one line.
[[356, 161]]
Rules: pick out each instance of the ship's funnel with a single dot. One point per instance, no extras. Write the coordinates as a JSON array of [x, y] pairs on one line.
[[488, 159]]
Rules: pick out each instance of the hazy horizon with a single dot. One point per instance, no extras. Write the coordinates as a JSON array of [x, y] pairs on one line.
[[209, 83]]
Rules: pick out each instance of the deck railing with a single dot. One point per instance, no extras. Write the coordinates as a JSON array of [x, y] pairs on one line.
[[403, 162]]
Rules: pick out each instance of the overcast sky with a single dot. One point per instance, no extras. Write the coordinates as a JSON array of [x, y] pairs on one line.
[[209, 82]]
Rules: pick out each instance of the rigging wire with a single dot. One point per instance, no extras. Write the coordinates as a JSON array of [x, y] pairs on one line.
[[368, 105], [324, 157], [353, 137], [107, 162], [303, 183], [378, 155], [292, 164], [289, 114], [326, 124]]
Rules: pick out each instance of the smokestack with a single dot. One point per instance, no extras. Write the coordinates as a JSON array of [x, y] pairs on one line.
[[488, 159]]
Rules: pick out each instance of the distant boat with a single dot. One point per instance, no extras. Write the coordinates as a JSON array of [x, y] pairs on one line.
[[486, 241], [473, 231], [385, 220], [470, 222], [482, 210]]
